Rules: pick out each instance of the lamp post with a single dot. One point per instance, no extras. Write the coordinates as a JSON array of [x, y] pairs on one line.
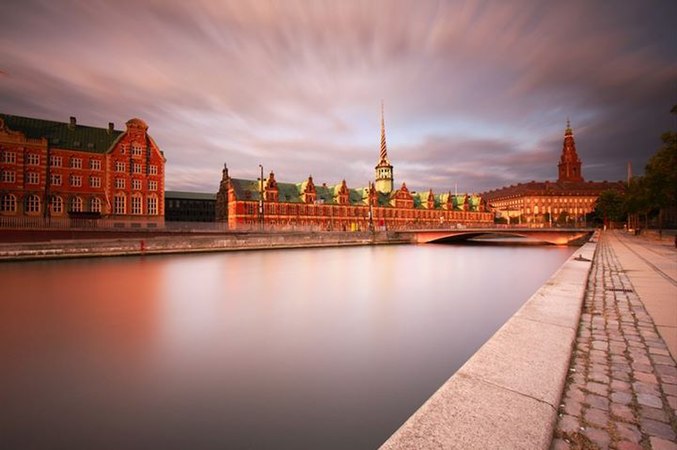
[[261, 199]]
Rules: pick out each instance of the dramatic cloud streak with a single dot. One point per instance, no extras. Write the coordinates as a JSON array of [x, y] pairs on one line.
[[477, 92]]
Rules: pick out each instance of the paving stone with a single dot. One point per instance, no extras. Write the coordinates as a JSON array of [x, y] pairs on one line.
[[645, 377], [596, 417], [662, 444], [654, 414], [628, 432], [657, 429], [622, 412], [597, 401], [573, 407], [620, 386], [596, 388], [626, 445], [649, 400], [672, 401], [646, 388], [669, 389], [599, 378], [623, 398], [568, 424]]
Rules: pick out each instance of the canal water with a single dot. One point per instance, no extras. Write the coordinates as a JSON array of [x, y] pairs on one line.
[[313, 348]]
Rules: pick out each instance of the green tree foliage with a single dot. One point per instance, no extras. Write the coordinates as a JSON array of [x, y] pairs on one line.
[[660, 175], [610, 207]]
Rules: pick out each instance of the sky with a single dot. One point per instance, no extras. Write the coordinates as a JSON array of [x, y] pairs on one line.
[[476, 93]]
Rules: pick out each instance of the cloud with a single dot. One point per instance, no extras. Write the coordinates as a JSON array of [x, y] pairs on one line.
[[477, 93]]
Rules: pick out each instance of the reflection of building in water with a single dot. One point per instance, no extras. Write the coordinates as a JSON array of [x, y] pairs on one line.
[[565, 201], [66, 170], [246, 203]]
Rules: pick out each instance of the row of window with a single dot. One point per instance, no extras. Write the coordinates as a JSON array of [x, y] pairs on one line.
[[56, 179], [33, 204], [344, 211], [33, 159], [137, 149], [136, 168]]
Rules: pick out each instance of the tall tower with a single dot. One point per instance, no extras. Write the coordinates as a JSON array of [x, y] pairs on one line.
[[569, 164], [383, 170]]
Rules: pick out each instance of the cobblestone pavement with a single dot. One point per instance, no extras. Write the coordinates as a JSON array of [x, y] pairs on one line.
[[621, 392]]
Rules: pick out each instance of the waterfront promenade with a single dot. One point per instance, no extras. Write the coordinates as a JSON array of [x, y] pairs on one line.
[[621, 391]]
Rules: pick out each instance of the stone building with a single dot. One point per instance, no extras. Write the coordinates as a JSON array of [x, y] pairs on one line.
[[62, 172], [267, 203], [565, 201]]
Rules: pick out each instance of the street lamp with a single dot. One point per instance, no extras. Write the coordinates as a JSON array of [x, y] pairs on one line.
[[261, 199]]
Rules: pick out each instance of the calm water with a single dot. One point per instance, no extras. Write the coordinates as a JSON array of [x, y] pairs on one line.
[[329, 348]]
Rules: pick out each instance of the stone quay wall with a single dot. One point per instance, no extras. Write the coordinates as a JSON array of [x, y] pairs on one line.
[[507, 394], [149, 244]]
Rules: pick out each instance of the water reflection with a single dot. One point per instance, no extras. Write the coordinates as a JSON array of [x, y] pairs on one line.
[[330, 348]]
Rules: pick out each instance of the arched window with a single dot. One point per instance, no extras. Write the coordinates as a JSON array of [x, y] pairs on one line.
[[120, 204], [76, 204], [32, 204], [56, 205], [8, 204], [152, 207], [95, 204], [137, 204]]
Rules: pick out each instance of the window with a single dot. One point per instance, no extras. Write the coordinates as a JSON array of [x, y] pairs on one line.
[[136, 204], [76, 204], [137, 150], [33, 204], [95, 164], [95, 182], [152, 185], [55, 161], [76, 163], [9, 157], [33, 159], [8, 204], [119, 166], [55, 179], [76, 180], [119, 204], [153, 169], [136, 168], [136, 185], [95, 205], [152, 205], [119, 183], [56, 205], [8, 176], [32, 178]]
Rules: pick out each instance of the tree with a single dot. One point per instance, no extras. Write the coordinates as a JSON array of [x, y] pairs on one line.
[[610, 207], [660, 176]]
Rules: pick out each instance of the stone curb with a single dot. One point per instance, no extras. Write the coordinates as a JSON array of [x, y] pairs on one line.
[[507, 394]]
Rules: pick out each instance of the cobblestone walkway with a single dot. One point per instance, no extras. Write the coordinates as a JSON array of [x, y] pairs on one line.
[[621, 392]]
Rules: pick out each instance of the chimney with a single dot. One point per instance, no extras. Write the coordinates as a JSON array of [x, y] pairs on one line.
[[71, 125], [111, 125]]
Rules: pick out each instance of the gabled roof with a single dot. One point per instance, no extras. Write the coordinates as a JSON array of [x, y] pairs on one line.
[[63, 135]]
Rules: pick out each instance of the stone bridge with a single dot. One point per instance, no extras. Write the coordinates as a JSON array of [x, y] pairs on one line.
[[556, 236]]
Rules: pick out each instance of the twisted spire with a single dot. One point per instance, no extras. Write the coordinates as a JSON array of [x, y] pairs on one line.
[[384, 149]]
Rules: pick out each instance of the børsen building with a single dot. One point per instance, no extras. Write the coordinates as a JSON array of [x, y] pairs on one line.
[[248, 204]]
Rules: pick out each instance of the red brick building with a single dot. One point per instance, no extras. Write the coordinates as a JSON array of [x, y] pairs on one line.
[[247, 204], [565, 201], [60, 172]]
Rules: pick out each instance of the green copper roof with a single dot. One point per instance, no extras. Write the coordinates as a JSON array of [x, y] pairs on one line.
[[63, 135]]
